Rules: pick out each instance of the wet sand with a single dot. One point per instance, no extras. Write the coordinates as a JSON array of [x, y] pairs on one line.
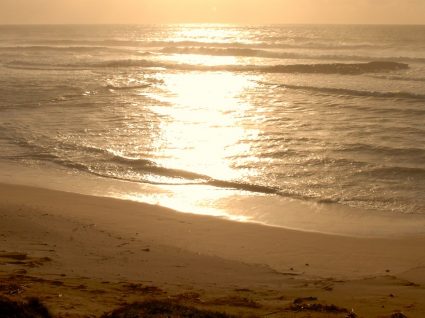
[[84, 256]]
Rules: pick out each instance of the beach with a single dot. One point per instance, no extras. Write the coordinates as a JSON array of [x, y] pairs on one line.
[[85, 255], [260, 171]]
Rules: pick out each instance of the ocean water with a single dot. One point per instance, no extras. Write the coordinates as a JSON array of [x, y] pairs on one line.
[[322, 114]]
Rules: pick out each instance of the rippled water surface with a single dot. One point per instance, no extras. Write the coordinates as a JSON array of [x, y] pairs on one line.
[[317, 113]]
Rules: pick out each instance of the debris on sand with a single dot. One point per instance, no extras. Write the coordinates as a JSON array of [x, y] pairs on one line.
[[158, 309], [142, 289], [235, 301], [303, 299], [318, 308]]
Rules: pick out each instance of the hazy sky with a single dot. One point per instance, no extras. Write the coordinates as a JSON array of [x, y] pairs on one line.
[[231, 11]]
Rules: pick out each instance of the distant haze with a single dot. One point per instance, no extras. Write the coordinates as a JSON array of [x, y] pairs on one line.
[[212, 11]]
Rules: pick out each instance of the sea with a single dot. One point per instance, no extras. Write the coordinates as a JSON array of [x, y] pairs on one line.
[[312, 127]]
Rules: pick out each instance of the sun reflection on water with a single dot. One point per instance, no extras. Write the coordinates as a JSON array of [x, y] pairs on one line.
[[210, 33], [200, 131], [205, 60], [202, 127], [196, 199]]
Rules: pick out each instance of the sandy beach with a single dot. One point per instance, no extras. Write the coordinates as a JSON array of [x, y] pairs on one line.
[[84, 256]]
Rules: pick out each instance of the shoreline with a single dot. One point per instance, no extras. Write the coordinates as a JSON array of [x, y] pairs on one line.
[[246, 207], [95, 239]]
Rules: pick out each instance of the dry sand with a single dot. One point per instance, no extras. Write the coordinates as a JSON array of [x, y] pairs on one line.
[[83, 256]]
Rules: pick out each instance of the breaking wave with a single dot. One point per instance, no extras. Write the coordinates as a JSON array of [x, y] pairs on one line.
[[308, 44], [263, 53], [198, 48], [129, 87], [356, 93], [399, 172], [77, 49], [321, 68]]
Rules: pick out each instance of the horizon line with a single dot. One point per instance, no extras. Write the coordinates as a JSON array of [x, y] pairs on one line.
[[210, 23]]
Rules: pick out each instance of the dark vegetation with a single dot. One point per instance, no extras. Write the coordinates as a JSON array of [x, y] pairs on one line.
[[33, 308]]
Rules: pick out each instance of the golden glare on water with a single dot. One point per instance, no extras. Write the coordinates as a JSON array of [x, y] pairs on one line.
[[201, 130], [202, 115], [195, 59], [207, 33], [193, 199]]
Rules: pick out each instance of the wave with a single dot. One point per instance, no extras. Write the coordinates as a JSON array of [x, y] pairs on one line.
[[399, 78], [129, 87], [125, 63], [383, 150], [331, 68], [137, 43], [339, 68], [122, 165], [323, 45], [174, 176], [399, 172], [227, 51], [356, 93], [30, 65], [109, 164], [189, 177], [140, 168], [151, 167], [42, 48], [211, 49], [250, 52]]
